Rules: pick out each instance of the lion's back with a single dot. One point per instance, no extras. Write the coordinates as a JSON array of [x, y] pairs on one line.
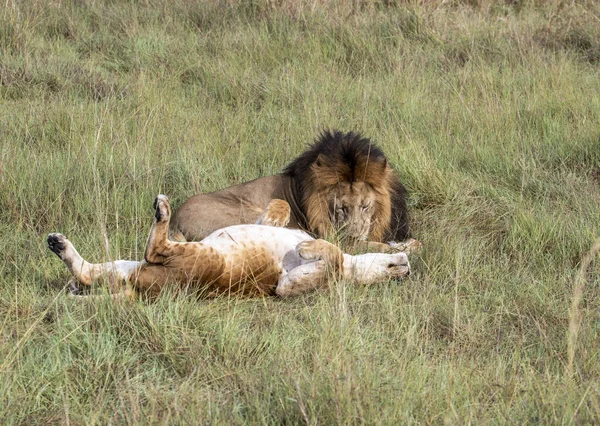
[[202, 214]]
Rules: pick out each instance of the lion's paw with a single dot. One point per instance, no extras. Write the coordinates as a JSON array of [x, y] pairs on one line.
[[411, 246], [277, 213], [73, 288], [162, 208], [310, 250], [57, 243]]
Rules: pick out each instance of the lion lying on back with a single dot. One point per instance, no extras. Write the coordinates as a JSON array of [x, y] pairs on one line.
[[242, 259], [342, 183]]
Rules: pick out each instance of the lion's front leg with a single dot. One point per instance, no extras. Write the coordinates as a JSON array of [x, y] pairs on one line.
[[277, 213], [328, 263], [302, 279], [410, 246], [322, 250]]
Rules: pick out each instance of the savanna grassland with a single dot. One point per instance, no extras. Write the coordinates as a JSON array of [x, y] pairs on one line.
[[489, 112]]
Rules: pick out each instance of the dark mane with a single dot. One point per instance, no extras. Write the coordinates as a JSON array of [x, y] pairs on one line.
[[349, 156], [399, 229], [346, 148]]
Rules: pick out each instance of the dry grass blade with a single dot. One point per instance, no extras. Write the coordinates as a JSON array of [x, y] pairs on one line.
[[575, 317]]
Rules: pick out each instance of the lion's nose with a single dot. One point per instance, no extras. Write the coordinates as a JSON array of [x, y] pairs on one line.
[[400, 265]]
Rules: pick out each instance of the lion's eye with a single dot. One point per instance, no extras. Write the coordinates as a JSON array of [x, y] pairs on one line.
[[365, 207], [341, 211]]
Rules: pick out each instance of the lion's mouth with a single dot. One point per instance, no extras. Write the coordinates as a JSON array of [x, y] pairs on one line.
[[402, 271]]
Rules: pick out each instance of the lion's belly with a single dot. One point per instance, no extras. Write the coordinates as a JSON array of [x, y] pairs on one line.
[[278, 242], [256, 256]]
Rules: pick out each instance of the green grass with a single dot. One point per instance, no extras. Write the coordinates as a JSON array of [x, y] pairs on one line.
[[490, 113]]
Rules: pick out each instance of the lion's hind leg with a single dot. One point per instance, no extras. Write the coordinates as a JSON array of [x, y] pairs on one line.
[[277, 213], [159, 249], [158, 246], [85, 272], [185, 263]]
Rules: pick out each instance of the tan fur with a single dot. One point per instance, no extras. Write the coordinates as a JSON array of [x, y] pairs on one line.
[[247, 271], [203, 214]]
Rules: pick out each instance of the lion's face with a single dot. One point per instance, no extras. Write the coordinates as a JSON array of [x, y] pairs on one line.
[[351, 207]]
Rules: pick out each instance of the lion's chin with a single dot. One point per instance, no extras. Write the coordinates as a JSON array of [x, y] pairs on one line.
[[401, 272]]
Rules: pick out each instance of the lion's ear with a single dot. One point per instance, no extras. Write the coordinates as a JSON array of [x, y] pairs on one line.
[[382, 166], [387, 169], [375, 172], [327, 173], [320, 161]]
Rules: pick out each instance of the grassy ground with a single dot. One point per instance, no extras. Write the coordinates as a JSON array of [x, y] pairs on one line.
[[490, 113]]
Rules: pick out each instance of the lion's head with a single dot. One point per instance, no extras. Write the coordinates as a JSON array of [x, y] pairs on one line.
[[344, 183]]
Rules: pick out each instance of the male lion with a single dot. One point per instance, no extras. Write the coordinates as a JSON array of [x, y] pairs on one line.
[[343, 182], [242, 259]]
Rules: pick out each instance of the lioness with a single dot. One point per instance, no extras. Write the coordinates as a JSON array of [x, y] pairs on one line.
[[343, 182], [243, 259]]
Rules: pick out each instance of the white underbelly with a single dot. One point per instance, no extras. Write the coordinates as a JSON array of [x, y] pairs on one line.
[[280, 243]]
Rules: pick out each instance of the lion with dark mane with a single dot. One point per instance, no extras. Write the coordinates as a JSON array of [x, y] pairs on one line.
[[343, 184]]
